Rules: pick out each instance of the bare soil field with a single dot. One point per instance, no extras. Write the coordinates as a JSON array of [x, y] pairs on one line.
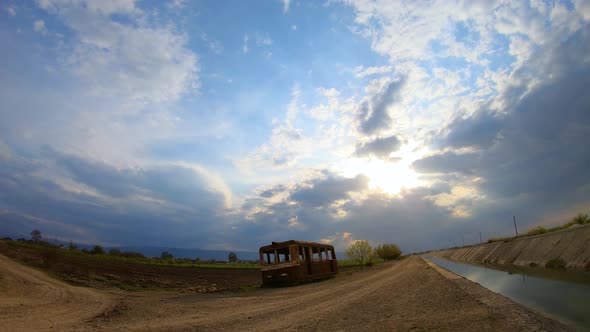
[[90, 271], [406, 295]]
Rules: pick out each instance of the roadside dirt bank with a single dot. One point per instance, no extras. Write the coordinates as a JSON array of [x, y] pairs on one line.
[[100, 272], [400, 296], [571, 245], [30, 300]]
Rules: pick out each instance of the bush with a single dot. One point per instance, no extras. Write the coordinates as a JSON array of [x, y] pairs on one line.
[[115, 252], [537, 231], [556, 263], [388, 251], [97, 250], [166, 255], [132, 254], [582, 219]]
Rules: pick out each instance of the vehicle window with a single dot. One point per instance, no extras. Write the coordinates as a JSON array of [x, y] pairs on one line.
[[302, 253], [284, 255], [269, 257], [329, 254], [315, 253]]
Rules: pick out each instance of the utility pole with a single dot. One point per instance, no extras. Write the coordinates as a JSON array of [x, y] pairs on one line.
[[515, 229], [480, 242]]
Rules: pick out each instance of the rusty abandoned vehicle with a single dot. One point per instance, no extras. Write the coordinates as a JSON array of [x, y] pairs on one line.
[[290, 262]]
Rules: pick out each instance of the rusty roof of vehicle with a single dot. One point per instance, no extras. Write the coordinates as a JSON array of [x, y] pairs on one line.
[[290, 242]]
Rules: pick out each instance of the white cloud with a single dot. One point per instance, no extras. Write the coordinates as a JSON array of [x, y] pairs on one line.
[[245, 48], [361, 71], [103, 7], [263, 40], [583, 7], [39, 26], [135, 61], [419, 38], [213, 45], [213, 180], [11, 10], [286, 4], [177, 4]]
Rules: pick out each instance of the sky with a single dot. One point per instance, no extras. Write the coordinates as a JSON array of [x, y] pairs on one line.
[[231, 124]]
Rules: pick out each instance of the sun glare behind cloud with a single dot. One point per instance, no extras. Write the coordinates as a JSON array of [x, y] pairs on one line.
[[384, 175]]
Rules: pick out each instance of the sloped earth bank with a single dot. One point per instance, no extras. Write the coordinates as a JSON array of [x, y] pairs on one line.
[[30, 300], [401, 296]]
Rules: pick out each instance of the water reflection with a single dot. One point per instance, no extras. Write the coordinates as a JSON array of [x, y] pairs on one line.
[[565, 301]]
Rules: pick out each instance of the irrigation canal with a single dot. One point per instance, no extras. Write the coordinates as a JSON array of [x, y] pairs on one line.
[[568, 302]]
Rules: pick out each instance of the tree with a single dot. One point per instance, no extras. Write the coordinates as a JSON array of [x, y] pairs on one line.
[[360, 251], [388, 251], [582, 219], [36, 235], [166, 255], [97, 250], [232, 257], [115, 252], [72, 246]]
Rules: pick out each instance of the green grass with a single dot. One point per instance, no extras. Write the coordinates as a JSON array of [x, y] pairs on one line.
[[351, 263]]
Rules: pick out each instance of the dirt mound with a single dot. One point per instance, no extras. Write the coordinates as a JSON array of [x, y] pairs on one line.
[[30, 300]]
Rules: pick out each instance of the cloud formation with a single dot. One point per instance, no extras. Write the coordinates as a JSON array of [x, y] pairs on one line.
[[373, 113], [410, 122], [380, 147], [140, 62]]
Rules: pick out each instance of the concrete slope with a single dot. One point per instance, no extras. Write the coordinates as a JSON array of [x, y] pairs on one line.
[[572, 245]]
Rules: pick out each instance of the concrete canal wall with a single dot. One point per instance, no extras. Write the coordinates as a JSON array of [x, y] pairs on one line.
[[572, 245]]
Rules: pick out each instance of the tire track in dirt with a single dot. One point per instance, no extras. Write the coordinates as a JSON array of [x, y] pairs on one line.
[[31, 300], [400, 296], [405, 295]]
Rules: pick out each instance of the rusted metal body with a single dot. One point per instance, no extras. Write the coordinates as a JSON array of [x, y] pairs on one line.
[[293, 261]]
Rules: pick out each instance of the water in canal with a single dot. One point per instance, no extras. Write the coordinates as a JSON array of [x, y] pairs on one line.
[[565, 301]]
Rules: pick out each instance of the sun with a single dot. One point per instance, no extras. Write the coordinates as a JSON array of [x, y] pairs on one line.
[[389, 176]]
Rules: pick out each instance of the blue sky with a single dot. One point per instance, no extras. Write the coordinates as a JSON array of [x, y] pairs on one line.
[[231, 124]]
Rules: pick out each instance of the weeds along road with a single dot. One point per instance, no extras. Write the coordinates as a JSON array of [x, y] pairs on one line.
[[400, 296]]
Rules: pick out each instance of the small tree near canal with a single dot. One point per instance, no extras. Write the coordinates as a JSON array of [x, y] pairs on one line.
[[360, 251]]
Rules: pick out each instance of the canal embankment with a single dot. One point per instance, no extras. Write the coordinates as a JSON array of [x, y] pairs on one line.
[[568, 248]]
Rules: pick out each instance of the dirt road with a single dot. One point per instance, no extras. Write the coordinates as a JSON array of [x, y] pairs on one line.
[[30, 300], [405, 295]]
